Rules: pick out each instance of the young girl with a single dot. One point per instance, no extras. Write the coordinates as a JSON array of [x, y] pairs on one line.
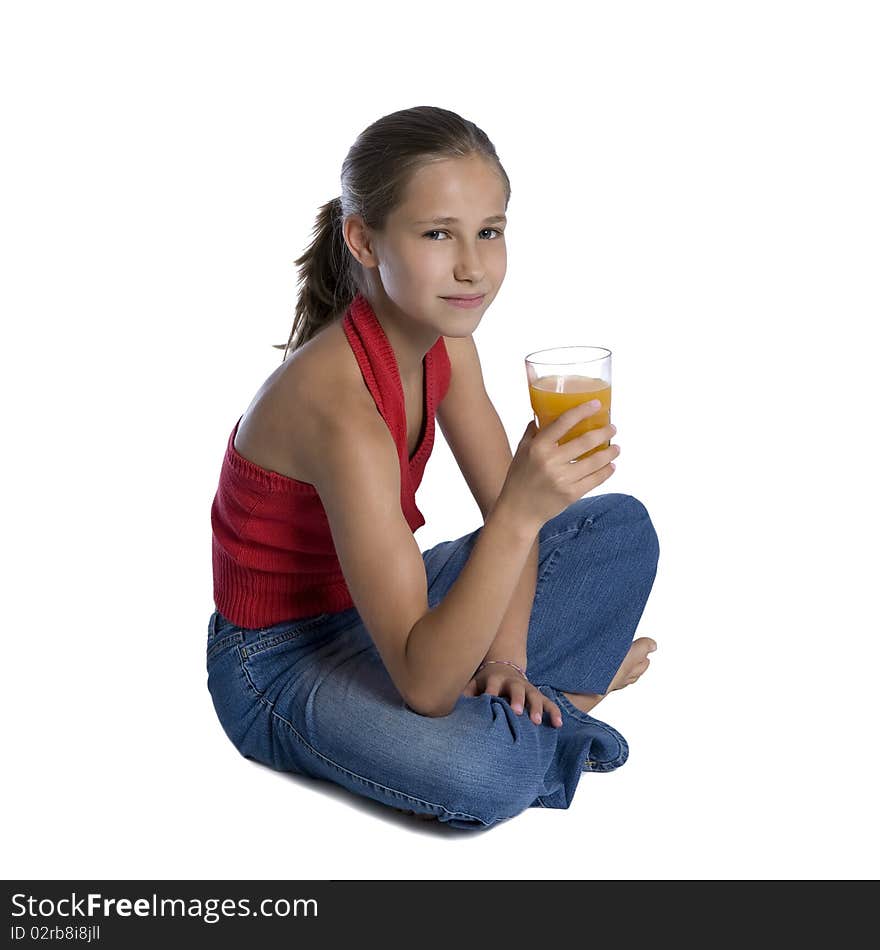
[[454, 683]]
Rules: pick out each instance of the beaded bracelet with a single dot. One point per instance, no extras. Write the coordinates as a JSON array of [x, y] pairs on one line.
[[519, 670]]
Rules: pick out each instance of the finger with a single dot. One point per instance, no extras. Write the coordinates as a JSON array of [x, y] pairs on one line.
[[517, 696], [592, 439], [536, 705], [593, 476], [493, 684], [542, 704], [569, 419], [470, 689], [530, 432]]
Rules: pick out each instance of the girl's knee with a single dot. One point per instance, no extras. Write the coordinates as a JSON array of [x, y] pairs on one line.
[[618, 507], [638, 514], [491, 793], [613, 508], [627, 513], [501, 774]]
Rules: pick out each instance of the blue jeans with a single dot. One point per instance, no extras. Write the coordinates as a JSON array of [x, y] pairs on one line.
[[312, 696]]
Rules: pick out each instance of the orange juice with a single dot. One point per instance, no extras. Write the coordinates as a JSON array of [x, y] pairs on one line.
[[552, 395]]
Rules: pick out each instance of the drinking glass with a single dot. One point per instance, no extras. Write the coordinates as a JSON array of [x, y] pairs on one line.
[[566, 376]]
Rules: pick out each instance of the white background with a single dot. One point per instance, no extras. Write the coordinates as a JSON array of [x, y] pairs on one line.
[[694, 186]]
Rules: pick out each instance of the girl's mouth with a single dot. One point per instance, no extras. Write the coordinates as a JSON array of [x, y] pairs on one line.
[[466, 302]]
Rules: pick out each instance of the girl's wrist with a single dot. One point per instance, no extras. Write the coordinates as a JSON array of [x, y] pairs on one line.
[[519, 669]]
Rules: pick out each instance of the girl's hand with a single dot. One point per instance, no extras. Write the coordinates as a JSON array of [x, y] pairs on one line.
[[547, 476], [499, 680]]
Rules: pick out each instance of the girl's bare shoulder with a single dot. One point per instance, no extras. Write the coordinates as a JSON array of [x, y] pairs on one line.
[[281, 428]]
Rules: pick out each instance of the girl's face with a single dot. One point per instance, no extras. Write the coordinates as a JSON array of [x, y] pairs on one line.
[[420, 261]]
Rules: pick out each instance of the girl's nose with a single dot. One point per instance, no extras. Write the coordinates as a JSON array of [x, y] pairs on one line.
[[468, 266]]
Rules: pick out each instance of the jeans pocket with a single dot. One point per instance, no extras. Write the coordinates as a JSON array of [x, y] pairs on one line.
[[219, 644], [270, 663]]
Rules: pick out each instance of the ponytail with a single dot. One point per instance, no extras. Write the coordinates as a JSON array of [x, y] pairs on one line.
[[327, 284]]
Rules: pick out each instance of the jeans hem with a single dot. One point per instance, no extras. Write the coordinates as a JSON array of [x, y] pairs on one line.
[[614, 739]]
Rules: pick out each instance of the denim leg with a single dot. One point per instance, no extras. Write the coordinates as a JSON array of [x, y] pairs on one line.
[[596, 565]]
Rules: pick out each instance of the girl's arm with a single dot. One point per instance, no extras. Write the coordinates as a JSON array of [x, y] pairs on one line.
[[430, 654], [448, 643], [475, 434]]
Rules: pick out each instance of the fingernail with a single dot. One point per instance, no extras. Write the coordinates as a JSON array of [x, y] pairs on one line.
[[517, 709], [595, 403]]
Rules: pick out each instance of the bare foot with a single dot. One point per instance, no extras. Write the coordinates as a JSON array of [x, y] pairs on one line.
[[634, 664]]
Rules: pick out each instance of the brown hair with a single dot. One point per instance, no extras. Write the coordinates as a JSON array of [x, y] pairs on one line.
[[373, 179]]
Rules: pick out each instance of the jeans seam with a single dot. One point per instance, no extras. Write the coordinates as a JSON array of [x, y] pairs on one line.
[[577, 527], [552, 561], [562, 534], [266, 643], [553, 557], [310, 748]]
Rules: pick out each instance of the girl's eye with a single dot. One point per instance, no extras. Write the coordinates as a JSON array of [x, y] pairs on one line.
[[499, 232]]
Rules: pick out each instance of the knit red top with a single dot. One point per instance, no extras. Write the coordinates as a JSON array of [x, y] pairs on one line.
[[272, 551]]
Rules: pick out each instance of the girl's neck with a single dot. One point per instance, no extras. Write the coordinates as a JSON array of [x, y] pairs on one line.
[[409, 342]]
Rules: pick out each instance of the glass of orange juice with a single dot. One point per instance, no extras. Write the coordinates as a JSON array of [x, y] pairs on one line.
[[566, 376]]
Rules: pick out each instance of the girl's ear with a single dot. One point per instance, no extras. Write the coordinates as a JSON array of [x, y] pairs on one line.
[[359, 240]]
